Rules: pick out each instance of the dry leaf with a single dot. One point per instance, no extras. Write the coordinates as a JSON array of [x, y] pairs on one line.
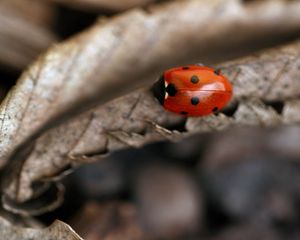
[[291, 111], [75, 75], [58, 230], [135, 119]]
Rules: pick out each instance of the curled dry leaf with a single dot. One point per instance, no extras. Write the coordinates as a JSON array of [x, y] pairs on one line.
[[90, 68], [58, 230], [137, 118], [115, 5], [24, 31]]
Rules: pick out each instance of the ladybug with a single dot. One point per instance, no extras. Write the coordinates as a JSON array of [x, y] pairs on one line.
[[193, 90]]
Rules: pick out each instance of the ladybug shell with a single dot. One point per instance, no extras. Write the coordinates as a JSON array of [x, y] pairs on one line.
[[193, 90]]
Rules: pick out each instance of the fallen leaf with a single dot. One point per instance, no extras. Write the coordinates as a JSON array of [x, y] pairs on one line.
[[89, 69], [291, 111], [58, 230]]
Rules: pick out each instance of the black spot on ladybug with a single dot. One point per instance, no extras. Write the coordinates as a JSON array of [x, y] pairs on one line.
[[184, 113], [171, 90], [185, 68], [217, 72], [195, 100], [159, 90], [194, 79], [215, 109]]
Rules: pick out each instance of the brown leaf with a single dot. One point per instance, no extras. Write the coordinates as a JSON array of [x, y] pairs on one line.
[[58, 230], [291, 111], [105, 62]]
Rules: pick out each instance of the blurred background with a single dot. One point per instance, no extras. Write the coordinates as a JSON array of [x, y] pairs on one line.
[[239, 184]]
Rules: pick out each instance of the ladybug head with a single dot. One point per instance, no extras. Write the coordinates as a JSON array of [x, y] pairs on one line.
[[159, 90]]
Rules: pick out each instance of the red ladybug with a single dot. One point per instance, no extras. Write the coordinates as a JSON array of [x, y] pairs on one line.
[[193, 90]]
